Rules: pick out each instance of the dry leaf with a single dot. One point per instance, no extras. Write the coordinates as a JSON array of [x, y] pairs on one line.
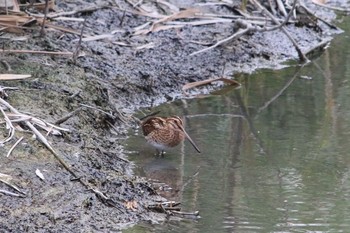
[[14, 76], [131, 205], [209, 81]]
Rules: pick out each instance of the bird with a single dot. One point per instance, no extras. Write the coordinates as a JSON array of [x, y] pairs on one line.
[[165, 132]]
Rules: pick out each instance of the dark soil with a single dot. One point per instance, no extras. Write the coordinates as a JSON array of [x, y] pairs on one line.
[[118, 80]]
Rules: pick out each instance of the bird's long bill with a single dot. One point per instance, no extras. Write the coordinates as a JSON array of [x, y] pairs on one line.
[[191, 141]]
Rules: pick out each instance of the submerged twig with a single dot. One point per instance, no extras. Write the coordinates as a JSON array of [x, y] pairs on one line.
[[190, 180]]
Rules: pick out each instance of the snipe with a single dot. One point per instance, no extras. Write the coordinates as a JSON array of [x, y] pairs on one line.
[[165, 132]]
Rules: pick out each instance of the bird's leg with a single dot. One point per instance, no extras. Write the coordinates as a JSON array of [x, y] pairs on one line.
[[158, 152]]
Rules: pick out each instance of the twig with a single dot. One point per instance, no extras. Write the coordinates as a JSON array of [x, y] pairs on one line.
[[76, 53], [36, 52], [122, 19], [100, 110], [247, 27], [42, 31], [69, 115], [12, 186], [250, 18], [10, 193], [314, 15], [301, 55], [318, 47], [8, 126], [67, 13], [331, 7], [283, 23], [194, 214], [7, 65], [281, 7], [43, 140], [240, 32], [13, 147]]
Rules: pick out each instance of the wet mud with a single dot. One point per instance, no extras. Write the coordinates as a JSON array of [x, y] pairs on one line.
[[109, 82]]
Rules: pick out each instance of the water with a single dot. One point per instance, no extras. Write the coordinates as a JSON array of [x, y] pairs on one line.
[[275, 153]]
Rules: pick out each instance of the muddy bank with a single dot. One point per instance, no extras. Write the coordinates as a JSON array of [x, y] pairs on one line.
[[111, 79]]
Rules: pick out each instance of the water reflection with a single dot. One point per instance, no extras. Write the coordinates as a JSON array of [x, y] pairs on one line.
[[274, 153]]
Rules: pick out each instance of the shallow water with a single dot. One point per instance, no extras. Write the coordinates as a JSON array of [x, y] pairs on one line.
[[275, 153]]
